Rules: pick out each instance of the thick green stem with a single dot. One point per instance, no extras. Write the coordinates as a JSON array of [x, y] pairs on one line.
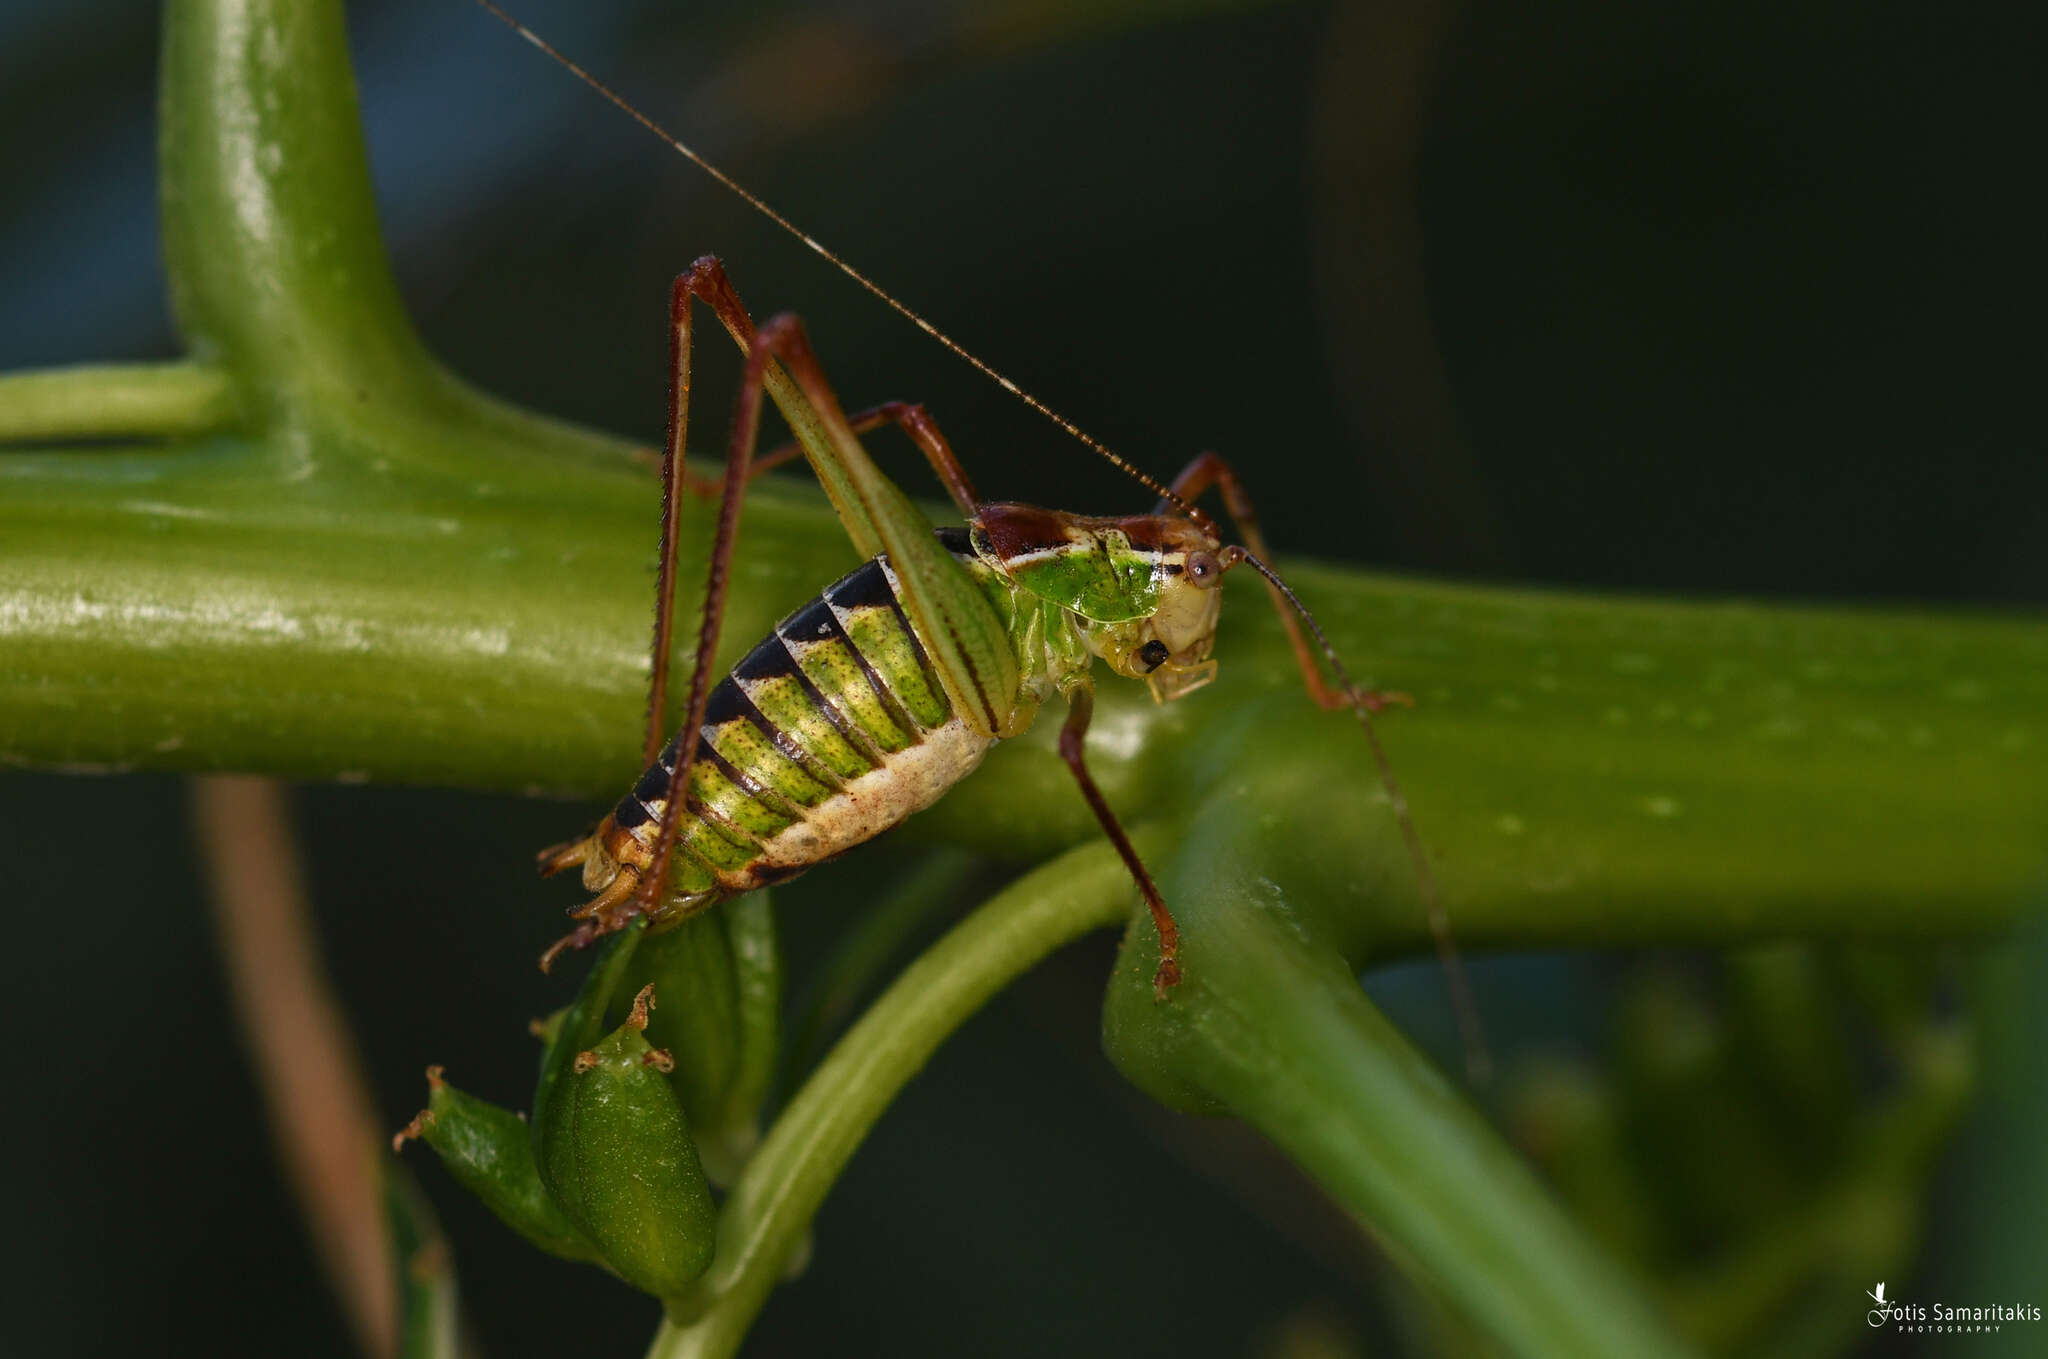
[[879, 940], [276, 262], [1270, 1025], [1303, 1056], [772, 1205], [466, 587], [117, 401]]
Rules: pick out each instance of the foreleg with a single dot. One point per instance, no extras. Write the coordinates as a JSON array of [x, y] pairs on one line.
[[1080, 698]]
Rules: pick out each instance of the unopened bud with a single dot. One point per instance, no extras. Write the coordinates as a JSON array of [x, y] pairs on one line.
[[616, 1150], [611, 1141], [489, 1151]]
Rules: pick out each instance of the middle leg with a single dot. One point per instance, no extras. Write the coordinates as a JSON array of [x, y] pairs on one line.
[[915, 422]]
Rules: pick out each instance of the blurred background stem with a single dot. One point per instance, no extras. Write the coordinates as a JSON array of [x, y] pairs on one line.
[[323, 1126]]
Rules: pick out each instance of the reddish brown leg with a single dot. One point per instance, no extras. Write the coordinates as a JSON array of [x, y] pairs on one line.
[[555, 858], [923, 431], [913, 419], [671, 481], [781, 340], [1073, 737], [706, 281], [629, 896], [609, 910], [709, 488]]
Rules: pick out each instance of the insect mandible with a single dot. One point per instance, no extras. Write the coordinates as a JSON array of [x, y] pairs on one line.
[[869, 702]]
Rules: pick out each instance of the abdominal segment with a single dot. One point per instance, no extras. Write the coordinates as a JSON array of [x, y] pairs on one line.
[[829, 732]]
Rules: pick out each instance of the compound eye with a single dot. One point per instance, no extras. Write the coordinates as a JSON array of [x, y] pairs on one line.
[[1152, 655], [1204, 570]]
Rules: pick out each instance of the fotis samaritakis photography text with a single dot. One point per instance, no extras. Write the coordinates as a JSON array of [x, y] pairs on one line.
[[1913, 1317]]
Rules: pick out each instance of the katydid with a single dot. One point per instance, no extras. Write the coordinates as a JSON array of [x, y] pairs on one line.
[[871, 701]]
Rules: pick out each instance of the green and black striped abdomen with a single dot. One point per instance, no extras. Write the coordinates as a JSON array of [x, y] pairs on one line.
[[829, 732]]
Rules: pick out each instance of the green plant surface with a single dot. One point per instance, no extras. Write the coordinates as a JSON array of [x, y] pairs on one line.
[[337, 561], [1586, 770]]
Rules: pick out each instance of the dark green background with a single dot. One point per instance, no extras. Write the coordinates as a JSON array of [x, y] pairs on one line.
[[1703, 298]]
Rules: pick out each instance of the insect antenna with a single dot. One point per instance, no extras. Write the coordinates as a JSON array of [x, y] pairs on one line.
[[824, 252], [1478, 1064]]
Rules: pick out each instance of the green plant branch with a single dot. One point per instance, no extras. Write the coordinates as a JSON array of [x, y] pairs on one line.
[[873, 944], [772, 1205], [394, 578], [117, 401], [1270, 1025], [270, 232]]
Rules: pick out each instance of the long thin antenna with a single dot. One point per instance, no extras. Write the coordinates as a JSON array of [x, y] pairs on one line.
[[818, 247], [1478, 1064]]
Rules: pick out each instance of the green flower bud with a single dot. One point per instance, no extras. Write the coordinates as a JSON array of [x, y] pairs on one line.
[[489, 1151], [568, 1032], [722, 975], [615, 1150], [690, 967]]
